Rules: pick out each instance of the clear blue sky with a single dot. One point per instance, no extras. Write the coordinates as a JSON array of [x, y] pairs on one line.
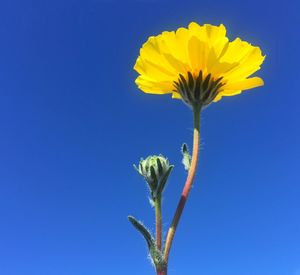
[[72, 123]]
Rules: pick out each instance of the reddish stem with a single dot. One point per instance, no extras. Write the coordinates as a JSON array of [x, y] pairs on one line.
[[161, 272], [187, 186]]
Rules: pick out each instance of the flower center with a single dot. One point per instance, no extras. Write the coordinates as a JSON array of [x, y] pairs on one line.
[[198, 90]]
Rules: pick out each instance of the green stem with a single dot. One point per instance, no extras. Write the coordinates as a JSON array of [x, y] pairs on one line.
[[158, 225], [187, 186], [158, 222]]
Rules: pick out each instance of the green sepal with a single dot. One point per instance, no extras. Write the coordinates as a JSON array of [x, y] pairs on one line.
[[164, 180], [156, 255], [186, 159], [159, 166], [154, 178], [151, 185], [137, 169]]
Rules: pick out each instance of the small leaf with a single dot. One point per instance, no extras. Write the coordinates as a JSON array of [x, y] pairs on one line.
[[186, 160], [156, 255], [143, 230]]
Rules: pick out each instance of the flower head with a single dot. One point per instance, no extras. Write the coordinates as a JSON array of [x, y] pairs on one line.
[[197, 64], [155, 170]]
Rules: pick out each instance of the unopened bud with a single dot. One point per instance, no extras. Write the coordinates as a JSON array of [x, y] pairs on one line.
[[155, 170]]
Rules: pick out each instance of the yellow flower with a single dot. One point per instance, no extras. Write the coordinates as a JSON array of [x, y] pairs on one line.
[[197, 64]]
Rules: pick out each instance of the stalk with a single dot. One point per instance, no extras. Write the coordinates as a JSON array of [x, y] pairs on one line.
[[187, 186], [158, 222]]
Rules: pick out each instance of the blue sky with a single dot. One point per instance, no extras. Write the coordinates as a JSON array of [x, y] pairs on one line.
[[73, 123]]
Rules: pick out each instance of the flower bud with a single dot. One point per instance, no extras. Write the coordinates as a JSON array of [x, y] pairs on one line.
[[155, 170]]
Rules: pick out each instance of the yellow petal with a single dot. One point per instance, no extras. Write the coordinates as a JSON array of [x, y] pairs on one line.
[[207, 33], [226, 93], [248, 58], [151, 52], [245, 84], [198, 54], [176, 95], [154, 87]]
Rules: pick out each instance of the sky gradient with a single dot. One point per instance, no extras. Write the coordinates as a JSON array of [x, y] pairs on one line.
[[72, 123]]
